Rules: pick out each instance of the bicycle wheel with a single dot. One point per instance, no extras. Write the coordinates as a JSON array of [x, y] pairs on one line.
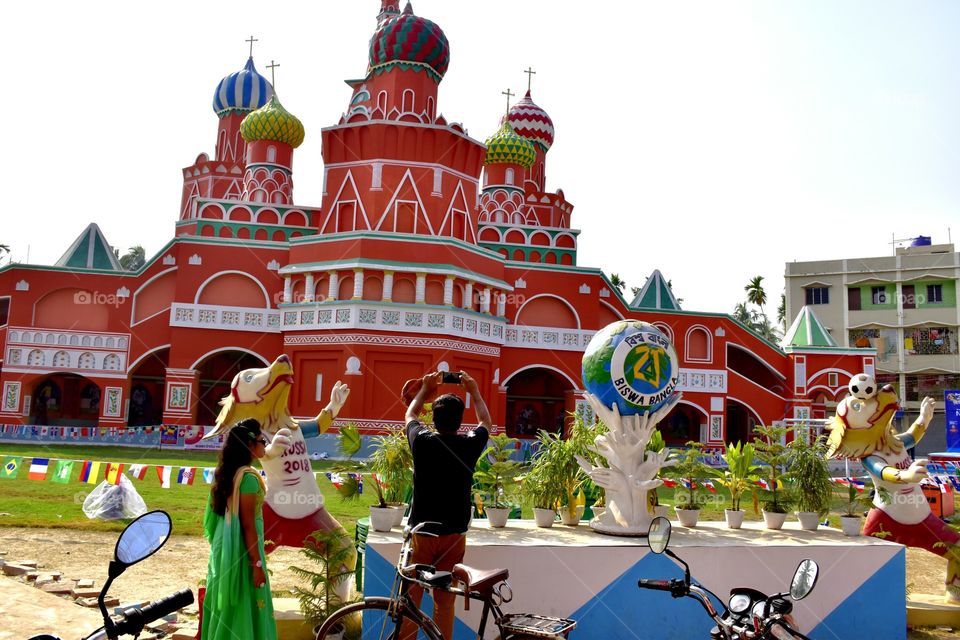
[[376, 624]]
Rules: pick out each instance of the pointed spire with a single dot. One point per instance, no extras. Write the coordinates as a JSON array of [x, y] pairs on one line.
[[408, 10], [656, 294], [807, 331], [90, 251], [388, 8]]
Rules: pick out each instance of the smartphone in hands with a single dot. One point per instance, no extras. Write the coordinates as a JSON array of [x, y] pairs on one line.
[[451, 377]]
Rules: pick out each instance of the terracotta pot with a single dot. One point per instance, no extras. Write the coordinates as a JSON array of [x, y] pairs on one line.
[[688, 517], [381, 518], [571, 520], [774, 520], [497, 516], [734, 518], [850, 525], [544, 517], [809, 520]]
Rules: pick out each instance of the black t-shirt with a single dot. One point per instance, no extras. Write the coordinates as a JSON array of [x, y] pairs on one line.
[[443, 467]]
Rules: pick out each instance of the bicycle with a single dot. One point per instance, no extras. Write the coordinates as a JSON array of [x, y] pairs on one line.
[[489, 587]]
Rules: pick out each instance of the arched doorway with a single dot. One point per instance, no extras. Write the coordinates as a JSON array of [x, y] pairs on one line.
[[740, 422], [147, 381], [537, 399], [65, 399], [216, 373], [681, 425]]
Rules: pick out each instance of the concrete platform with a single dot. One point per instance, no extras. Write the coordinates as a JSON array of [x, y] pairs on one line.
[[26, 611], [928, 610], [290, 624]]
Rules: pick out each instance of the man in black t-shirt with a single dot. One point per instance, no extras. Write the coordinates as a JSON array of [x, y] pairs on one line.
[[443, 465]]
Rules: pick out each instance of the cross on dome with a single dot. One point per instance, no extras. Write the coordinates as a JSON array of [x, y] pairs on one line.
[[251, 40], [273, 80], [530, 73], [509, 95]]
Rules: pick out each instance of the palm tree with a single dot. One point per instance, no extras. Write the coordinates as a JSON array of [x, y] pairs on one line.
[[782, 312], [133, 259], [755, 292], [615, 281], [742, 315]]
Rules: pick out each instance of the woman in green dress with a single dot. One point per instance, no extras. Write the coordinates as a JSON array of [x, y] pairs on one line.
[[237, 605]]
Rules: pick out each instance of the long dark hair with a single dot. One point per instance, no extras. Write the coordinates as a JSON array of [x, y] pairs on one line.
[[236, 453]]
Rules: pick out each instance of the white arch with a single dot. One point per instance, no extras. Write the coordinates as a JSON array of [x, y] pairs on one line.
[[830, 370], [751, 409], [703, 411], [686, 341], [538, 233], [145, 354], [491, 228], [221, 349], [266, 296], [617, 313], [666, 329], [550, 295], [759, 359], [573, 384], [830, 393], [133, 305]]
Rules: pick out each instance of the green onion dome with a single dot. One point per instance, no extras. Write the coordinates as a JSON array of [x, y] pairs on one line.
[[506, 147], [272, 122]]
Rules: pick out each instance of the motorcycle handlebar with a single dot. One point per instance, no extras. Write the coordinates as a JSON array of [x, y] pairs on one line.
[[781, 631], [135, 619], [659, 585]]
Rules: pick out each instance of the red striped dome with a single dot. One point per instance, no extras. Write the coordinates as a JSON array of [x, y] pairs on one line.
[[531, 122]]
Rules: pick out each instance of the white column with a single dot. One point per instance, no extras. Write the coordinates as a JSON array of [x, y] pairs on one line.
[[388, 286], [501, 304], [448, 291], [287, 290], [485, 301], [468, 296], [334, 282], [357, 284], [421, 288], [308, 289]]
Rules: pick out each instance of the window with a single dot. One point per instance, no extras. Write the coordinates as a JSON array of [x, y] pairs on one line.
[[833, 380], [934, 293], [883, 340], [878, 295], [929, 341], [4, 310], [818, 295]]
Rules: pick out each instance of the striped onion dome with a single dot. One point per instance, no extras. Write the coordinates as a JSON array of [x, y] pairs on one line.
[[409, 42], [531, 122], [506, 147], [272, 122], [241, 92]]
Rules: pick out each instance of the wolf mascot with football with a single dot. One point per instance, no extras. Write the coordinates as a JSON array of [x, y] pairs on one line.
[[863, 430]]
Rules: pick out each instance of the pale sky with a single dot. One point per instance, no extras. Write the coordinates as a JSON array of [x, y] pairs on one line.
[[712, 140]]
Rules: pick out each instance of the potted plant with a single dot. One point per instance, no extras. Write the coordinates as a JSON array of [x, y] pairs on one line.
[[542, 495], [810, 480], [496, 482], [689, 472], [774, 455], [739, 478], [855, 501], [392, 462], [559, 455], [382, 516], [327, 581]]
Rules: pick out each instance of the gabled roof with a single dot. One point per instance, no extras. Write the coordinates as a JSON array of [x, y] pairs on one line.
[[807, 331], [90, 251], [656, 294]]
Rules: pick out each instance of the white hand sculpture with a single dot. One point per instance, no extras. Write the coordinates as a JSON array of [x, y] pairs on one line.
[[338, 397], [279, 444], [926, 410], [916, 472]]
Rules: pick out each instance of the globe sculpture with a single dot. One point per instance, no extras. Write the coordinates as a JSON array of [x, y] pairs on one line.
[[630, 372]]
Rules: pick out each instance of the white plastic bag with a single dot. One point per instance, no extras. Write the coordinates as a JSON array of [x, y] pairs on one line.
[[114, 501]]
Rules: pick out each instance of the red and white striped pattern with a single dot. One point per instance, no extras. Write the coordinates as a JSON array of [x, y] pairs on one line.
[[531, 122]]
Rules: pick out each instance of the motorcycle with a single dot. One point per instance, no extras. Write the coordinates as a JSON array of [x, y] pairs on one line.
[[139, 540], [748, 614]]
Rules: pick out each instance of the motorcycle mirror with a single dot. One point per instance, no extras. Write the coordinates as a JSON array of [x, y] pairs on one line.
[[658, 535], [804, 579], [142, 537]]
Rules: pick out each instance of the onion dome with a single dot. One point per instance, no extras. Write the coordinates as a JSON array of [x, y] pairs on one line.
[[409, 42], [506, 147], [531, 122], [241, 92], [272, 122]]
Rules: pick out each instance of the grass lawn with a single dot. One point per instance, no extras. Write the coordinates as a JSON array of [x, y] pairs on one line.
[[31, 503]]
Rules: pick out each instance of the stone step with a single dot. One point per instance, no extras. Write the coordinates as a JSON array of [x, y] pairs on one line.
[[15, 569], [108, 601], [59, 587], [84, 592]]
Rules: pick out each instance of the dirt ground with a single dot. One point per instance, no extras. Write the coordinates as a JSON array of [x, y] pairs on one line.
[[182, 562]]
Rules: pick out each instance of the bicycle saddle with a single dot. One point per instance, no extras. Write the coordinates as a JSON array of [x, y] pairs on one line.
[[479, 579]]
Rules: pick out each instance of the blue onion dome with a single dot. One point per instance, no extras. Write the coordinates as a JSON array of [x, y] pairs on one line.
[[241, 92], [506, 147], [272, 122]]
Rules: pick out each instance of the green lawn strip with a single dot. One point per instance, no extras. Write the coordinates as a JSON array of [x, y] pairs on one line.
[[32, 503]]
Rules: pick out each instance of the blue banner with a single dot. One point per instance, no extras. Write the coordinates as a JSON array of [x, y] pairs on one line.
[[951, 402]]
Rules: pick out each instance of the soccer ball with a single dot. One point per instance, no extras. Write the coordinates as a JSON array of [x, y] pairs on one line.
[[863, 386]]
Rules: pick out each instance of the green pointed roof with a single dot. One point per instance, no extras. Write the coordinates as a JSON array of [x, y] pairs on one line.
[[656, 294], [90, 251], [807, 331]]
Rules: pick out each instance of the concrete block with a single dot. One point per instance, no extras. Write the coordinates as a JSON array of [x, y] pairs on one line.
[[85, 583], [108, 601], [59, 587], [31, 576], [185, 633], [79, 592], [15, 569], [28, 563]]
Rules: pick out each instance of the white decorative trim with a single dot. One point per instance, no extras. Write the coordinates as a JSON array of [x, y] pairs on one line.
[[133, 307], [716, 404], [222, 318], [604, 293], [266, 296], [353, 367], [193, 368], [572, 382], [112, 407], [716, 429], [400, 341], [585, 288], [273, 265], [555, 297], [169, 260], [123, 292], [23, 285], [195, 260], [686, 344], [702, 380], [520, 284], [550, 338], [11, 397]]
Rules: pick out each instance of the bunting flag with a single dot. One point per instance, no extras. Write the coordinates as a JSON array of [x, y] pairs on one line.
[[708, 484], [185, 475], [63, 470], [138, 471], [114, 471], [89, 472], [859, 484], [163, 474], [10, 468], [38, 468], [763, 484], [208, 475], [668, 483]]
